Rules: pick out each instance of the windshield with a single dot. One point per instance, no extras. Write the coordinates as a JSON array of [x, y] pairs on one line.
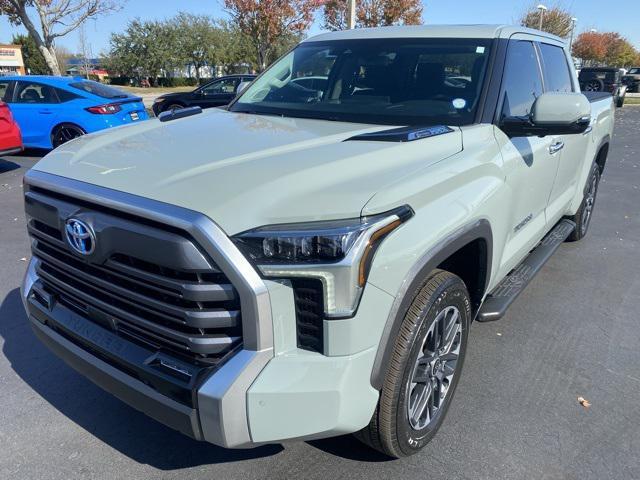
[[98, 89], [383, 81], [634, 71]]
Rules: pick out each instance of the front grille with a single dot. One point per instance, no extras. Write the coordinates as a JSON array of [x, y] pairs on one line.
[[149, 284]]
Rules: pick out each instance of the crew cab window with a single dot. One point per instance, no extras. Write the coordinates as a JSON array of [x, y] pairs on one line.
[[522, 83], [27, 92], [228, 85], [556, 70]]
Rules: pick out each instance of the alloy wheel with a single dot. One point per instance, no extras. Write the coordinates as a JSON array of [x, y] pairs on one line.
[[65, 133], [434, 368], [589, 201]]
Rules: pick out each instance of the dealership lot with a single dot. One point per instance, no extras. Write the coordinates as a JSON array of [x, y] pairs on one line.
[[574, 332]]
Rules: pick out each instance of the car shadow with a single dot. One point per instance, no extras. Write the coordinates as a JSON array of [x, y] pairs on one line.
[[7, 166], [120, 426]]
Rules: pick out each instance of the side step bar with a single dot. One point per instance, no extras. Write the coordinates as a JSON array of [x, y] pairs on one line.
[[504, 294]]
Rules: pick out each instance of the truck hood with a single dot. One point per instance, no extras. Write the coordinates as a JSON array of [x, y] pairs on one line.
[[245, 171]]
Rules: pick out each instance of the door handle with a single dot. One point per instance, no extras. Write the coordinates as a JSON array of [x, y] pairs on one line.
[[556, 147], [45, 112]]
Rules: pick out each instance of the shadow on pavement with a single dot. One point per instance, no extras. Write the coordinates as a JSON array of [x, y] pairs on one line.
[[123, 428], [7, 165], [350, 448]]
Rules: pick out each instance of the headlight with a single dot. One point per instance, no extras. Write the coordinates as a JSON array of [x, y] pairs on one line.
[[338, 253]]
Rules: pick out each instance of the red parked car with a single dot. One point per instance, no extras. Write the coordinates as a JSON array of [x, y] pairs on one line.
[[10, 136]]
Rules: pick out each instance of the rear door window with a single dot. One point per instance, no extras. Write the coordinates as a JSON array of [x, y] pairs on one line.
[[557, 77], [522, 83], [227, 85], [32, 92]]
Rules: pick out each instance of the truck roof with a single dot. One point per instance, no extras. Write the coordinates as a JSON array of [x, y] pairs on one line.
[[433, 31]]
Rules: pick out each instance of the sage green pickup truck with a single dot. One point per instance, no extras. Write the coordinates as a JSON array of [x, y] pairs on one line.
[[306, 262]]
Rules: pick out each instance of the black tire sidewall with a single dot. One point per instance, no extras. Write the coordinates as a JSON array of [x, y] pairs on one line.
[[450, 293], [595, 171]]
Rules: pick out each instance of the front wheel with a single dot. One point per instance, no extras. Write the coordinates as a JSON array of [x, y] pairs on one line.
[[582, 218], [620, 101], [424, 369]]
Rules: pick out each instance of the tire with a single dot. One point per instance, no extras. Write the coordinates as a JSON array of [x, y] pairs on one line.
[[65, 132], [173, 106], [620, 101], [399, 426], [595, 85], [582, 218]]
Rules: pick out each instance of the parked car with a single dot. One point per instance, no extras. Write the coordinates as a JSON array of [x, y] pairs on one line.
[[603, 79], [216, 93], [10, 136], [53, 110], [305, 264], [632, 80]]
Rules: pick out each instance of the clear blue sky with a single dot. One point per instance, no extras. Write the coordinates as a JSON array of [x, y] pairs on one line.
[[603, 15]]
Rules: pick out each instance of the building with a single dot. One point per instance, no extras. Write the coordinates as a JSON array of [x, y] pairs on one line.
[[11, 62]]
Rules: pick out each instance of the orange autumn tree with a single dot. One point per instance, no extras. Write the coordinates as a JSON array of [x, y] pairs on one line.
[[590, 47], [266, 22], [606, 48], [373, 13]]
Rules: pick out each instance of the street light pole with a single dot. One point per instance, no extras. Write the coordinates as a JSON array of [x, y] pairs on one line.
[[542, 9], [351, 14], [574, 20]]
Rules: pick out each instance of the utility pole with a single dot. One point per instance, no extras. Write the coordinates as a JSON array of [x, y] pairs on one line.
[[542, 9], [351, 14], [574, 20]]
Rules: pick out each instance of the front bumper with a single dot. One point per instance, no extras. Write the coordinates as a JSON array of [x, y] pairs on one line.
[[252, 399]]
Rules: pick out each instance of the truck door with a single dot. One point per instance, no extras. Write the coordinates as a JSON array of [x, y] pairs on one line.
[[530, 162], [558, 78]]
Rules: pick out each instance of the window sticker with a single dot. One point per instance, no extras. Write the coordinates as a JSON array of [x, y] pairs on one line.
[[459, 103], [479, 49]]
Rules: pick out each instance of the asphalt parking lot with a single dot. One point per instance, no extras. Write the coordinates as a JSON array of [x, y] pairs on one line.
[[574, 332]]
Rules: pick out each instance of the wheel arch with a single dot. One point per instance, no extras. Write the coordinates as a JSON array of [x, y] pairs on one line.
[[475, 241], [602, 153], [61, 124]]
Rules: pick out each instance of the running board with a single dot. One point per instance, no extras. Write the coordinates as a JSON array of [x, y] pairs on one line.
[[504, 294]]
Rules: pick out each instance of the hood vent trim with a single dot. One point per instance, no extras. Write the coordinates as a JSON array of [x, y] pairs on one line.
[[403, 134]]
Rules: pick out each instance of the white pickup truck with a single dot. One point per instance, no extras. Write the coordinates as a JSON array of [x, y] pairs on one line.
[[307, 262]]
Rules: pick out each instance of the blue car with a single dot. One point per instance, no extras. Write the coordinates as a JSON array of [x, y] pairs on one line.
[[53, 110]]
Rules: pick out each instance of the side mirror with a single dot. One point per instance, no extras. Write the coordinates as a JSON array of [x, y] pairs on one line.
[[553, 113], [241, 87]]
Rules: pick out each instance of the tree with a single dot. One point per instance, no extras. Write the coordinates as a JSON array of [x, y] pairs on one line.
[[33, 60], [145, 49], [589, 47], [373, 13], [196, 41], [554, 20], [266, 22], [606, 48], [619, 52], [56, 18]]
